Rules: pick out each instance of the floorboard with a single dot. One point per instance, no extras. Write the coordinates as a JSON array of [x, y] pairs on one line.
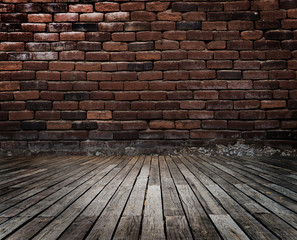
[[186, 196]]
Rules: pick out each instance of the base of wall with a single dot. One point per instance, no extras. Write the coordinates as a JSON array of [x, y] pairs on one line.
[[226, 147]]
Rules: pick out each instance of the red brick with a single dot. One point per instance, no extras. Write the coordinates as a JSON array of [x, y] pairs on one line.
[[231, 94], [72, 36], [66, 17], [201, 114], [58, 125], [226, 55], [280, 94], [236, 6], [252, 114], [115, 46], [9, 86], [126, 96], [157, 6], [98, 76], [214, 25], [122, 56], [165, 65], [50, 95], [226, 35], [111, 86], [73, 76], [188, 124], [61, 66], [142, 105], [124, 76], [188, 85], [10, 65], [246, 104], [278, 54], [39, 18], [46, 37], [194, 16], [226, 115], [169, 16], [246, 65], [153, 95], [85, 86], [241, 84], [266, 124], [161, 124], [123, 37], [97, 56], [206, 95], [255, 75], [7, 106], [60, 86], [251, 55], [152, 75], [117, 17], [167, 105], [148, 55], [157, 85], [162, 26], [175, 55], [181, 114], [65, 105], [278, 114], [166, 45], [47, 115], [214, 124], [281, 74], [179, 95], [265, 5], [203, 134], [176, 134], [270, 104], [192, 104], [289, 24], [100, 115], [291, 84], [240, 25], [91, 105], [72, 55], [252, 35], [107, 7], [136, 86], [87, 66], [203, 74], [91, 17], [132, 6], [143, 16], [48, 75], [81, 8], [272, 15], [288, 125], [265, 84], [21, 115], [148, 36]]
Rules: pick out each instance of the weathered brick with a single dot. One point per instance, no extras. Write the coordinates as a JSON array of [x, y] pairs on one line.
[[132, 6]]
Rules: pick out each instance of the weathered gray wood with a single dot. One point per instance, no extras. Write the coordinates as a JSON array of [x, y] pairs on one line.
[[177, 228], [228, 228], [201, 226], [130, 222], [153, 222]]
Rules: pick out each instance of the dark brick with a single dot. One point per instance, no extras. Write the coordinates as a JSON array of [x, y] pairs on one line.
[[101, 135], [10, 27], [252, 16], [14, 18], [9, 125], [140, 66], [89, 46], [33, 125], [287, 4], [74, 115], [34, 85], [63, 46], [85, 27], [38, 105], [125, 135], [59, 27], [290, 44], [76, 96], [229, 74], [278, 35], [188, 25], [267, 24], [184, 7], [272, 65], [28, 7], [219, 16], [141, 46], [55, 7], [280, 134]]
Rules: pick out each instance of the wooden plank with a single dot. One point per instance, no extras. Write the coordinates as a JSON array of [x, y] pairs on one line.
[[130, 222], [284, 213], [105, 225], [201, 226], [177, 227], [228, 228], [251, 226], [58, 192], [63, 221], [153, 223]]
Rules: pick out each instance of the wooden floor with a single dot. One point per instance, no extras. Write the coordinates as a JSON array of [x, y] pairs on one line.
[[148, 197]]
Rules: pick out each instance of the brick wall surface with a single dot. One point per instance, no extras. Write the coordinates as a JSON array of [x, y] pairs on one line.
[[82, 74]]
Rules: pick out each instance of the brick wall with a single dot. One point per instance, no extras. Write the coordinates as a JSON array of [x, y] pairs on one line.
[[86, 74]]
